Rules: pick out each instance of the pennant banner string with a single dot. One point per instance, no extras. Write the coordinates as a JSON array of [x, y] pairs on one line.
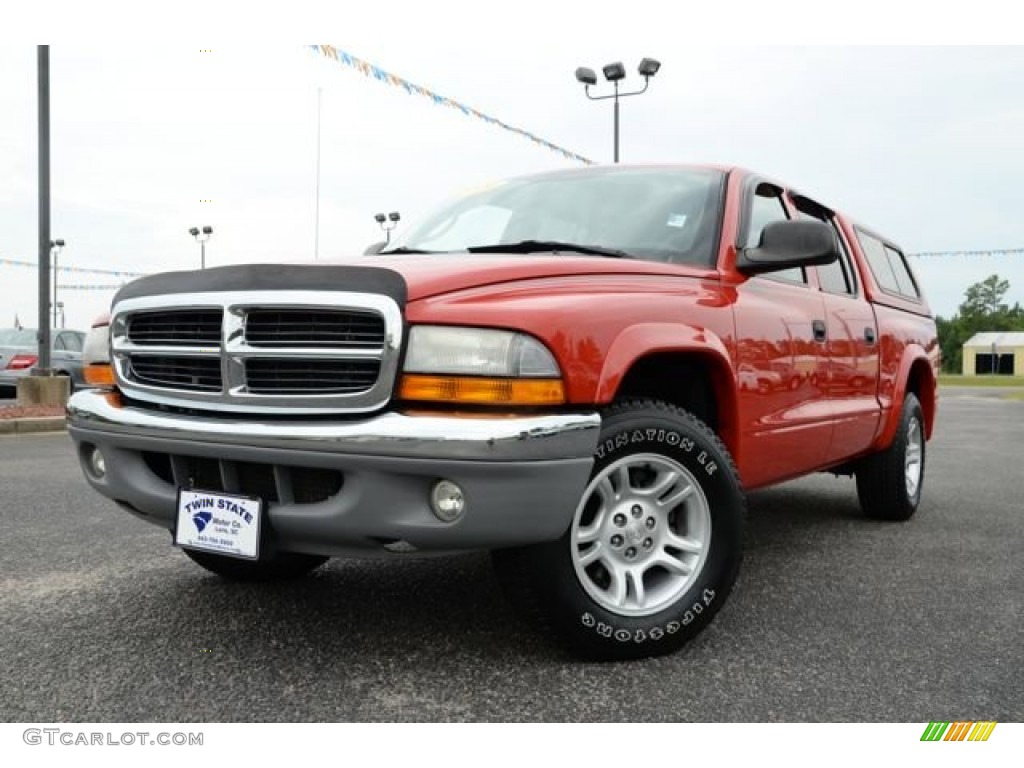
[[69, 268], [993, 252], [370, 70]]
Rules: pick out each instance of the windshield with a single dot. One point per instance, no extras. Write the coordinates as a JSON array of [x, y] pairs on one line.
[[659, 215], [14, 337]]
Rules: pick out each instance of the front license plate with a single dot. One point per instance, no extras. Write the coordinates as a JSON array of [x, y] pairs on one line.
[[218, 522]]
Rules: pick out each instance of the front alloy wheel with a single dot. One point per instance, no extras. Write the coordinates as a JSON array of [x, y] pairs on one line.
[[654, 546], [641, 534]]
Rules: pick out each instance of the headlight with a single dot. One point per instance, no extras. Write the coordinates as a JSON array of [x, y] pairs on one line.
[[96, 356], [479, 366], [477, 352]]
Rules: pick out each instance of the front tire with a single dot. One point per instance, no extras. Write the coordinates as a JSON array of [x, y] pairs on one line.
[[281, 566], [889, 483], [654, 547]]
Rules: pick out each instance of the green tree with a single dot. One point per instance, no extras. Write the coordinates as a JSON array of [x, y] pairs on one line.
[[984, 300], [951, 341]]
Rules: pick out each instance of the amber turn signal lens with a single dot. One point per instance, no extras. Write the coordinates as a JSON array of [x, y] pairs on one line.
[[482, 391], [99, 375]]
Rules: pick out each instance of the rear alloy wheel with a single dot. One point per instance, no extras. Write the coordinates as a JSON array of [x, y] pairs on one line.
[[889, 483], [281, 566], [654, 546]]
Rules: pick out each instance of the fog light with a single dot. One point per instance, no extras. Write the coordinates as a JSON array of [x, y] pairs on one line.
[[97, 463], [447, 501]]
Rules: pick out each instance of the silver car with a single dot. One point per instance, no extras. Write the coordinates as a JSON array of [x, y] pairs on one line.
[[19, 354]]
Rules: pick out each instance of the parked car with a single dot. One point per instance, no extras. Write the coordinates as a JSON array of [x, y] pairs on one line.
[[19, 354], [581, 371]]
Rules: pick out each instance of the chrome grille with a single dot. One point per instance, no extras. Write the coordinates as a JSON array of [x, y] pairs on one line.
[[313, 328], [296, 352], [198, 374], [268, 376], [187, 327]]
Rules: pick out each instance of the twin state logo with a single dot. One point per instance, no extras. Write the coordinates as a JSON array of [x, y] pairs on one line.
[[201, 519], [959, 731]]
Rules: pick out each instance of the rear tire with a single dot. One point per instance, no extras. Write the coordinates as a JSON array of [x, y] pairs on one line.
[[280, 567], [654, 547], [889, 483]]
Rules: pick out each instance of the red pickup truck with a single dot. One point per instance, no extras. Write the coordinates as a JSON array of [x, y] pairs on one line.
[[582, 371]]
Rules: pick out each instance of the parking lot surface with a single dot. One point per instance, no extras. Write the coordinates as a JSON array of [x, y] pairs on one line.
[[834, 618]]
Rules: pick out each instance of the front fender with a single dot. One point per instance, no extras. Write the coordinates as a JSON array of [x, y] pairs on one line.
[[645, 339]]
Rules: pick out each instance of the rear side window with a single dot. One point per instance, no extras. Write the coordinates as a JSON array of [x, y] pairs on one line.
[[903, 277], [836, 277], [889, 267], [72, 342]]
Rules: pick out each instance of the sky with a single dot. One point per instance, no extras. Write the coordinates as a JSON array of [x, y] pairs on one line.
[[152, 137]]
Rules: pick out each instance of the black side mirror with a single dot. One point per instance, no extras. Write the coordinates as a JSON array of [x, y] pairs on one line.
[[375, 248], [788, 244]]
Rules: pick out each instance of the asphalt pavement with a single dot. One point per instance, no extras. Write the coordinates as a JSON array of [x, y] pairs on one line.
[[834, 618]]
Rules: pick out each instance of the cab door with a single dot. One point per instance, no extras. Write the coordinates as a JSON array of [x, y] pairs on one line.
[[852, 347], [785, 417]]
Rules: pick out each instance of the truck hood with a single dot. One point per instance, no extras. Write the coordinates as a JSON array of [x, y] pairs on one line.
[[403, 277], [430, 275]]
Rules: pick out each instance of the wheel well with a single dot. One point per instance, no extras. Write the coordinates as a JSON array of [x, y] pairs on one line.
[[695, 382], [922, 383]]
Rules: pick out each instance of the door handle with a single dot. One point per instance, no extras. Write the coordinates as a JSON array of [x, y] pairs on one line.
[[820, 330], [869, 335]]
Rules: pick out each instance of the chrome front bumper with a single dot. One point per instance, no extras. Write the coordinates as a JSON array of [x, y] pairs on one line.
[[522, 476]]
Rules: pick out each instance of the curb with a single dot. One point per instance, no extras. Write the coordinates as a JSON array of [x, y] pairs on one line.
[[31, 425]]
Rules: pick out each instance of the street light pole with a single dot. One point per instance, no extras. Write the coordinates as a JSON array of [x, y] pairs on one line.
[[613, 73], [616, 122], [201, 236], [55, 248], [387, 223], [43, 76]]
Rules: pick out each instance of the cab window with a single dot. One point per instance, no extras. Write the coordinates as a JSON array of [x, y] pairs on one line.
[[766, 206], [837, 277]]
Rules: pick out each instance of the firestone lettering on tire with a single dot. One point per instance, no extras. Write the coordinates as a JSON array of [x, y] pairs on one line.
[[654, 633]]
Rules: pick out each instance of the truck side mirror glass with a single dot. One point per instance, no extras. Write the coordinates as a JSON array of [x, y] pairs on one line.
[[788, 244]]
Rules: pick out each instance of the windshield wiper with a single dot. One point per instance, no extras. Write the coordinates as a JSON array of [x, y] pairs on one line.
[[406, 250], [534, 246]]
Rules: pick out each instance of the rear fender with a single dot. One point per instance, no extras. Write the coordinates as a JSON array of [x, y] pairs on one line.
[[917, 364]]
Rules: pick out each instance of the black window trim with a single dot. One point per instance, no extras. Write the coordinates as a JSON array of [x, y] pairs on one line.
[[750, 186], [816, 210]]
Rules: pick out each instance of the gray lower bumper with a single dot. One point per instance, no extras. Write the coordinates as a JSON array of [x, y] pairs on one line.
[[521, 476]]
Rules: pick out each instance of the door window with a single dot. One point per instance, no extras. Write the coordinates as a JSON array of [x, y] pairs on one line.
[[766, 207]]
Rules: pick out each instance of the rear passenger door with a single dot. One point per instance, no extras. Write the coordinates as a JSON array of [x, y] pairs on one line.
[[781, 366], [851, 346]]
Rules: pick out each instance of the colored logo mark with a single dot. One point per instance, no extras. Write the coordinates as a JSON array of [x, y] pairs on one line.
[[960, 731], [201, 519]]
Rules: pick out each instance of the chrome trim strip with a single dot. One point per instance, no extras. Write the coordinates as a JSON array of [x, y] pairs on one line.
[[514, 438], [232, 351]]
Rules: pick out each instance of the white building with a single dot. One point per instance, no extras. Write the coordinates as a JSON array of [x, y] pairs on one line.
[[995, 352]]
